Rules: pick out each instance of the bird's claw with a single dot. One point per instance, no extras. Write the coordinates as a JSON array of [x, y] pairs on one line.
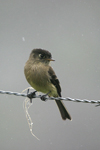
[[44, 97]]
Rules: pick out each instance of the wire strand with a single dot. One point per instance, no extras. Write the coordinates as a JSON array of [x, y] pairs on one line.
[[97, 102]]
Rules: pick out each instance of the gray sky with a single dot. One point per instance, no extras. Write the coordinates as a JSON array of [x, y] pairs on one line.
[[70, 30]]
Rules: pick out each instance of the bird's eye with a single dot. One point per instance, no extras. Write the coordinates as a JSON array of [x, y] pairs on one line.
[[41, 56]]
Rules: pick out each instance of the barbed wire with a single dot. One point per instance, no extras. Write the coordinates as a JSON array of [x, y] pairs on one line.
[[28, 102], [97, 102]]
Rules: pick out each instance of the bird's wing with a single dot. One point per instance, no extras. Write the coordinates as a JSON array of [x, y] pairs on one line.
[[54, 80]]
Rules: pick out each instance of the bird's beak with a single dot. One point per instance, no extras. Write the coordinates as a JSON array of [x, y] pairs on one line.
[[50, 59]]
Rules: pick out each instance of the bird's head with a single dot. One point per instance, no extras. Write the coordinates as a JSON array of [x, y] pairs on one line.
[[41, 56]]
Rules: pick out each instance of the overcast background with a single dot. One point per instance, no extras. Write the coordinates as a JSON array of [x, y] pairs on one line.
[[70, 30]]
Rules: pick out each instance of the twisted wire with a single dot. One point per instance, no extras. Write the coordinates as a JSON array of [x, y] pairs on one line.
[[97, 102]]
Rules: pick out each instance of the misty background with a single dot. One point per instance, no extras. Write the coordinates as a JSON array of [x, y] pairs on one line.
[[70, 30]]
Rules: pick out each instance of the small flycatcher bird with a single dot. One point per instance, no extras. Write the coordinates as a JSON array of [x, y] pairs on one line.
[[42, 77]]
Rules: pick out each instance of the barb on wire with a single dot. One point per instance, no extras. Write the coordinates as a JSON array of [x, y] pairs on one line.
[[97, 102]]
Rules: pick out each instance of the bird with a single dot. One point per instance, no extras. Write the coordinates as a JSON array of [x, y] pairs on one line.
[[41, 76]]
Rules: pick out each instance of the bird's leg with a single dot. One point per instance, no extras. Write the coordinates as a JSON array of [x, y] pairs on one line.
[[31, 95], [43, 97]]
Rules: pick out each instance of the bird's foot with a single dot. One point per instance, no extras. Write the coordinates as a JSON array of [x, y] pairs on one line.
[[31, 95], [44, 97]]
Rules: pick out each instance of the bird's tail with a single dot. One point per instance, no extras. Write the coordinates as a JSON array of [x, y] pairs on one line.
[[63, 111]]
